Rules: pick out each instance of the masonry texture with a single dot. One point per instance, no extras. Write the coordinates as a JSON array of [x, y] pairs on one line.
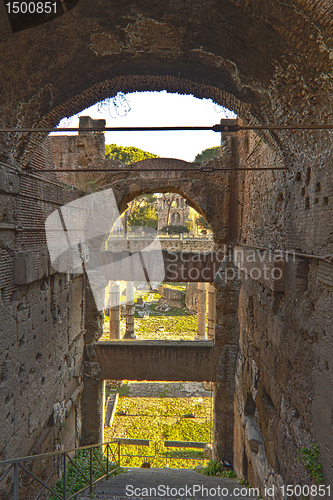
[[268, 61]]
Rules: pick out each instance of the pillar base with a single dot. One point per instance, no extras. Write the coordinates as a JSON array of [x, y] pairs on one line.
[[201, 338], [130, 336]]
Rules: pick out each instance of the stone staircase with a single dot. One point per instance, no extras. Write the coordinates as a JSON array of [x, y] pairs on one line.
[[139, 483]]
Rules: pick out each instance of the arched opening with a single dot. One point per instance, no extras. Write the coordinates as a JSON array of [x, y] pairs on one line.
[[145, 299]]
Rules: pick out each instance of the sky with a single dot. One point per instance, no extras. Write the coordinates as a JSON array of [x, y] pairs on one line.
[[159, 109]]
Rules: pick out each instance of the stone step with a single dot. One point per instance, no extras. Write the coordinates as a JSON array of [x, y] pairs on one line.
[[137, 483]]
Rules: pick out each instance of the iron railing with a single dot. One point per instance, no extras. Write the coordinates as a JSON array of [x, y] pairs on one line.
[[63, 475], [69, 472]]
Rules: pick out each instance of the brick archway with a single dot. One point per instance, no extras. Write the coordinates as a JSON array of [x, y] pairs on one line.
[[255, 59]]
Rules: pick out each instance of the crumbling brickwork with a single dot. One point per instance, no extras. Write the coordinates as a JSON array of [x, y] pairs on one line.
[[42, 322]]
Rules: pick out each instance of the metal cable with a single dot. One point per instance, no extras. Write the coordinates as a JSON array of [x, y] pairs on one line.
[[122, 170], [224, 126]]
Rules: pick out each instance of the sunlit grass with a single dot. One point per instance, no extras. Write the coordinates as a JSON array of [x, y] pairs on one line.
[[160, 419]]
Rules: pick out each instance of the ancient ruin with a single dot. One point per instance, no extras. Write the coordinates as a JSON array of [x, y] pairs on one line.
[[270, 214]]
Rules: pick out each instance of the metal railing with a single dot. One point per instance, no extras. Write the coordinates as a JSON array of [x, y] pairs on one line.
[[166, 452], [62, 475], [69, 472]]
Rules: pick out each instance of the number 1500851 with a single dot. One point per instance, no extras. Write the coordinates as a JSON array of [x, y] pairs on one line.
[[31, 7]]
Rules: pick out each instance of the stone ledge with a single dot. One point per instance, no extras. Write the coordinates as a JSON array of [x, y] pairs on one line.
[[9, 182], [157, 360]]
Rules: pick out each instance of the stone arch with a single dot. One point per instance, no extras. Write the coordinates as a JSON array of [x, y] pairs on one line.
[[28, 143], [255, 59], [206, 192]]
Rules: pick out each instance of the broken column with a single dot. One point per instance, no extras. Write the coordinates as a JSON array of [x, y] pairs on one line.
[[201, 331], [114, 310], [211, 311], [130, 310]]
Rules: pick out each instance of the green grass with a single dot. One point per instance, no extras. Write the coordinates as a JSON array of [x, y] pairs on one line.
[[215, 468], [82, 459], [159, 420]]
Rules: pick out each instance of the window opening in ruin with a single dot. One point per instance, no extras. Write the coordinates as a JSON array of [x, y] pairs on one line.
[[174, 309]]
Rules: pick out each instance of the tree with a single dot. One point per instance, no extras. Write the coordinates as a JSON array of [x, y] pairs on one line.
[[168, 199], [190, 225], [207, 154], [143, 212], [126, 155], [203, 224]]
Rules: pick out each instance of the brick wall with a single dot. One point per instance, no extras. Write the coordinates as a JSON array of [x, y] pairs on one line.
[[42, 323]]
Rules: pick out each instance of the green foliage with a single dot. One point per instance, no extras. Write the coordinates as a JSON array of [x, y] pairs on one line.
[[143, 211], [175, 229], [145, 215], [201, 222], [129, 154], [207, 154], [123, 390], [82, 459], [167, 327], [190, 225], [310, 457], [187, 430], [215, 468]]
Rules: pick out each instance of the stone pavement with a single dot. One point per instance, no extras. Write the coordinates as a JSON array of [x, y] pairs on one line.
[[179, 484]]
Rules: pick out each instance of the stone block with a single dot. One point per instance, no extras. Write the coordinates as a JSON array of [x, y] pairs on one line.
[[253, 435], [191, 298], [9, 181], [30, 266], [169, 293]]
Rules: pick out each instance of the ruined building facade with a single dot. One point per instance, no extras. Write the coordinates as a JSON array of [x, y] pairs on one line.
[[271, 63]]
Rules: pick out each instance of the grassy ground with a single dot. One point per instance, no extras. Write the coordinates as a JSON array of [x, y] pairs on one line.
[[176, 324], [160, 419]]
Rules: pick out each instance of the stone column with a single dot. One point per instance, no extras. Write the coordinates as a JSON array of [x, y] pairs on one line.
[[130, 310], [211, 311], [201, 331], [114, 310]]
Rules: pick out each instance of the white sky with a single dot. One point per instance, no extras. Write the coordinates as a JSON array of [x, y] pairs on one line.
[[161, 109]]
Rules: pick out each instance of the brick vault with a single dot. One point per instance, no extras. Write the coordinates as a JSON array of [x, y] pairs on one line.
[[270, 62]]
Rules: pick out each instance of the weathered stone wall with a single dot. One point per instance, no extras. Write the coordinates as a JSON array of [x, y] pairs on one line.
[[42, 324], [282, 378]]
